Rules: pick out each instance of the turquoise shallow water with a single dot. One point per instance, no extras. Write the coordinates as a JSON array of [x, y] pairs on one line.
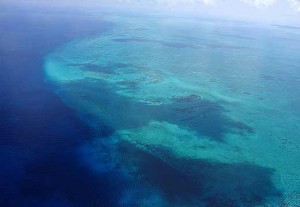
[[193, 112]]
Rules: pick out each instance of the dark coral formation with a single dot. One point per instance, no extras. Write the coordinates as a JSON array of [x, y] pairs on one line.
[[188, 98], [199, 181]]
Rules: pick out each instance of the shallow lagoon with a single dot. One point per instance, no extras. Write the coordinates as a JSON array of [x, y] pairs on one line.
[[192, 112]]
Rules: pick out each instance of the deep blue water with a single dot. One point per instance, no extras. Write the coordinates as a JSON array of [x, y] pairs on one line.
[[38, 133]]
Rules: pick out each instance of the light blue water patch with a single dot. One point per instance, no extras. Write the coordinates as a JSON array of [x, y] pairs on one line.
[[196, 112]]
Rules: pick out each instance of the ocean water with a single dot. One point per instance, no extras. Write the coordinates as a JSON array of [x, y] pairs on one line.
[[39, 135], [147, 110], [187, 111]]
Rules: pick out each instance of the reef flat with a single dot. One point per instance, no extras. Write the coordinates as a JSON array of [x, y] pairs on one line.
[[194, 113]]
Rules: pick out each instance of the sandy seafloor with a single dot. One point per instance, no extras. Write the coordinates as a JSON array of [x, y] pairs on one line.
[[191, 112]]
